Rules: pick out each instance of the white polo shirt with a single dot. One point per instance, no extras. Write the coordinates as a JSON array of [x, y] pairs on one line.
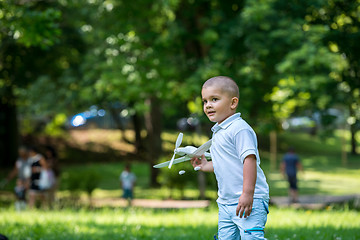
[[233, 140]]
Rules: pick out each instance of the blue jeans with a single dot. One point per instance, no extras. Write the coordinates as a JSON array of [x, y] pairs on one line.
[[232, 227]]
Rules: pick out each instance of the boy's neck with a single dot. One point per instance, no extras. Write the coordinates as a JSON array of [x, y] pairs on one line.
[[227, 117]]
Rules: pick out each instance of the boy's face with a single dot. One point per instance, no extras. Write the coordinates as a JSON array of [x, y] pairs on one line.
[[218, 105]]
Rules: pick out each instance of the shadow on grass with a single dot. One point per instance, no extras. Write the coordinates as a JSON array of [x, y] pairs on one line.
[[7, 199], [77, 155]]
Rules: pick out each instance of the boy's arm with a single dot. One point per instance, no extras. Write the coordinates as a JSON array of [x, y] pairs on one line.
[[205, 165], [244, 207]]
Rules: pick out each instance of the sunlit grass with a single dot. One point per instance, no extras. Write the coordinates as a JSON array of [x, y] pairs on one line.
[[306, 224], [338, 182], [110, 224], [188, 224]]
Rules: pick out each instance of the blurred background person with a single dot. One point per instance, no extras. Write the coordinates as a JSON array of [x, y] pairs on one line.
[[127, 180], [22, 171], [20, 192], [52, 162], [36, 191], [289, 168]]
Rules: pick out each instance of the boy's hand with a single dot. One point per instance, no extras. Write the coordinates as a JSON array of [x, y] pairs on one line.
[[244, 206], [196, 162], [249, 180], [204, 164]]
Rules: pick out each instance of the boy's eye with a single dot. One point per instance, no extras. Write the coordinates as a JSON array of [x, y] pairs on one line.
[[204, 101], [214, 99]]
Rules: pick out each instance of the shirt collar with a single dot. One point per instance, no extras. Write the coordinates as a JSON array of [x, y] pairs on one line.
[[226, 123]]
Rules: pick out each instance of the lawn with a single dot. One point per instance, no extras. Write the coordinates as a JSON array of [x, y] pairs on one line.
[[324, 174], [187, 224]]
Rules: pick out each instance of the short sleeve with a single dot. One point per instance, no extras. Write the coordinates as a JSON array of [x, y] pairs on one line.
[[245, 144]]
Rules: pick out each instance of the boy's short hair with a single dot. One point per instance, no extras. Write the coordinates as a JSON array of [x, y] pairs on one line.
[[226, 84]]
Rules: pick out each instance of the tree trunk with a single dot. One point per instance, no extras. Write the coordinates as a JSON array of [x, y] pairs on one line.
[[9, 137], [353, 130], [343, 147], [202, 184], [139, 144], [273, 150], [153, 123]]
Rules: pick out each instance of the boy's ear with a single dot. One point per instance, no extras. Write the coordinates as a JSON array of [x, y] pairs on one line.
[[234, 103]]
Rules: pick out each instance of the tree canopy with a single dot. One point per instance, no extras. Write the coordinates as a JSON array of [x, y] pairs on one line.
[[288, 57]]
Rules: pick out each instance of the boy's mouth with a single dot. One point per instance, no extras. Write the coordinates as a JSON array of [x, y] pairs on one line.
[[210, 113]]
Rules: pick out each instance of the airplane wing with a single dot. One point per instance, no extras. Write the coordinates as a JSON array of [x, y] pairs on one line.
[[202, 149], [178, 160]]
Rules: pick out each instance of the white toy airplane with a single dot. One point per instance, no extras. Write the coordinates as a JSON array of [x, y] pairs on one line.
[[187, 153]]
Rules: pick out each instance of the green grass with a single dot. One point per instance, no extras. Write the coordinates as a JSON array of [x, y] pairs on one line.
[[300, 224], [190, 224], [324, 174]]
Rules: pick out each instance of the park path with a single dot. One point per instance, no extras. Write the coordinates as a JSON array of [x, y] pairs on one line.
[[150, 203], [305, 201]]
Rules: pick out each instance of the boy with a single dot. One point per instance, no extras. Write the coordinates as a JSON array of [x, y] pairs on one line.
[[22, 170], [243, 193]]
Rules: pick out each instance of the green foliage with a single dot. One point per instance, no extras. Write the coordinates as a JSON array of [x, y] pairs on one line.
[[172, 179], [37, 46], [30, 23], [91, 181], [85, 180], [72, 183], [288, 57], [320, 63], [55, 128]]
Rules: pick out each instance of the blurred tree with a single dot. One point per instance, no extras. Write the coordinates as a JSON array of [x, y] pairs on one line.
[[286, 56], [38, 43], [323, 71], [128, 63], [342, 18], [28, 29]]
